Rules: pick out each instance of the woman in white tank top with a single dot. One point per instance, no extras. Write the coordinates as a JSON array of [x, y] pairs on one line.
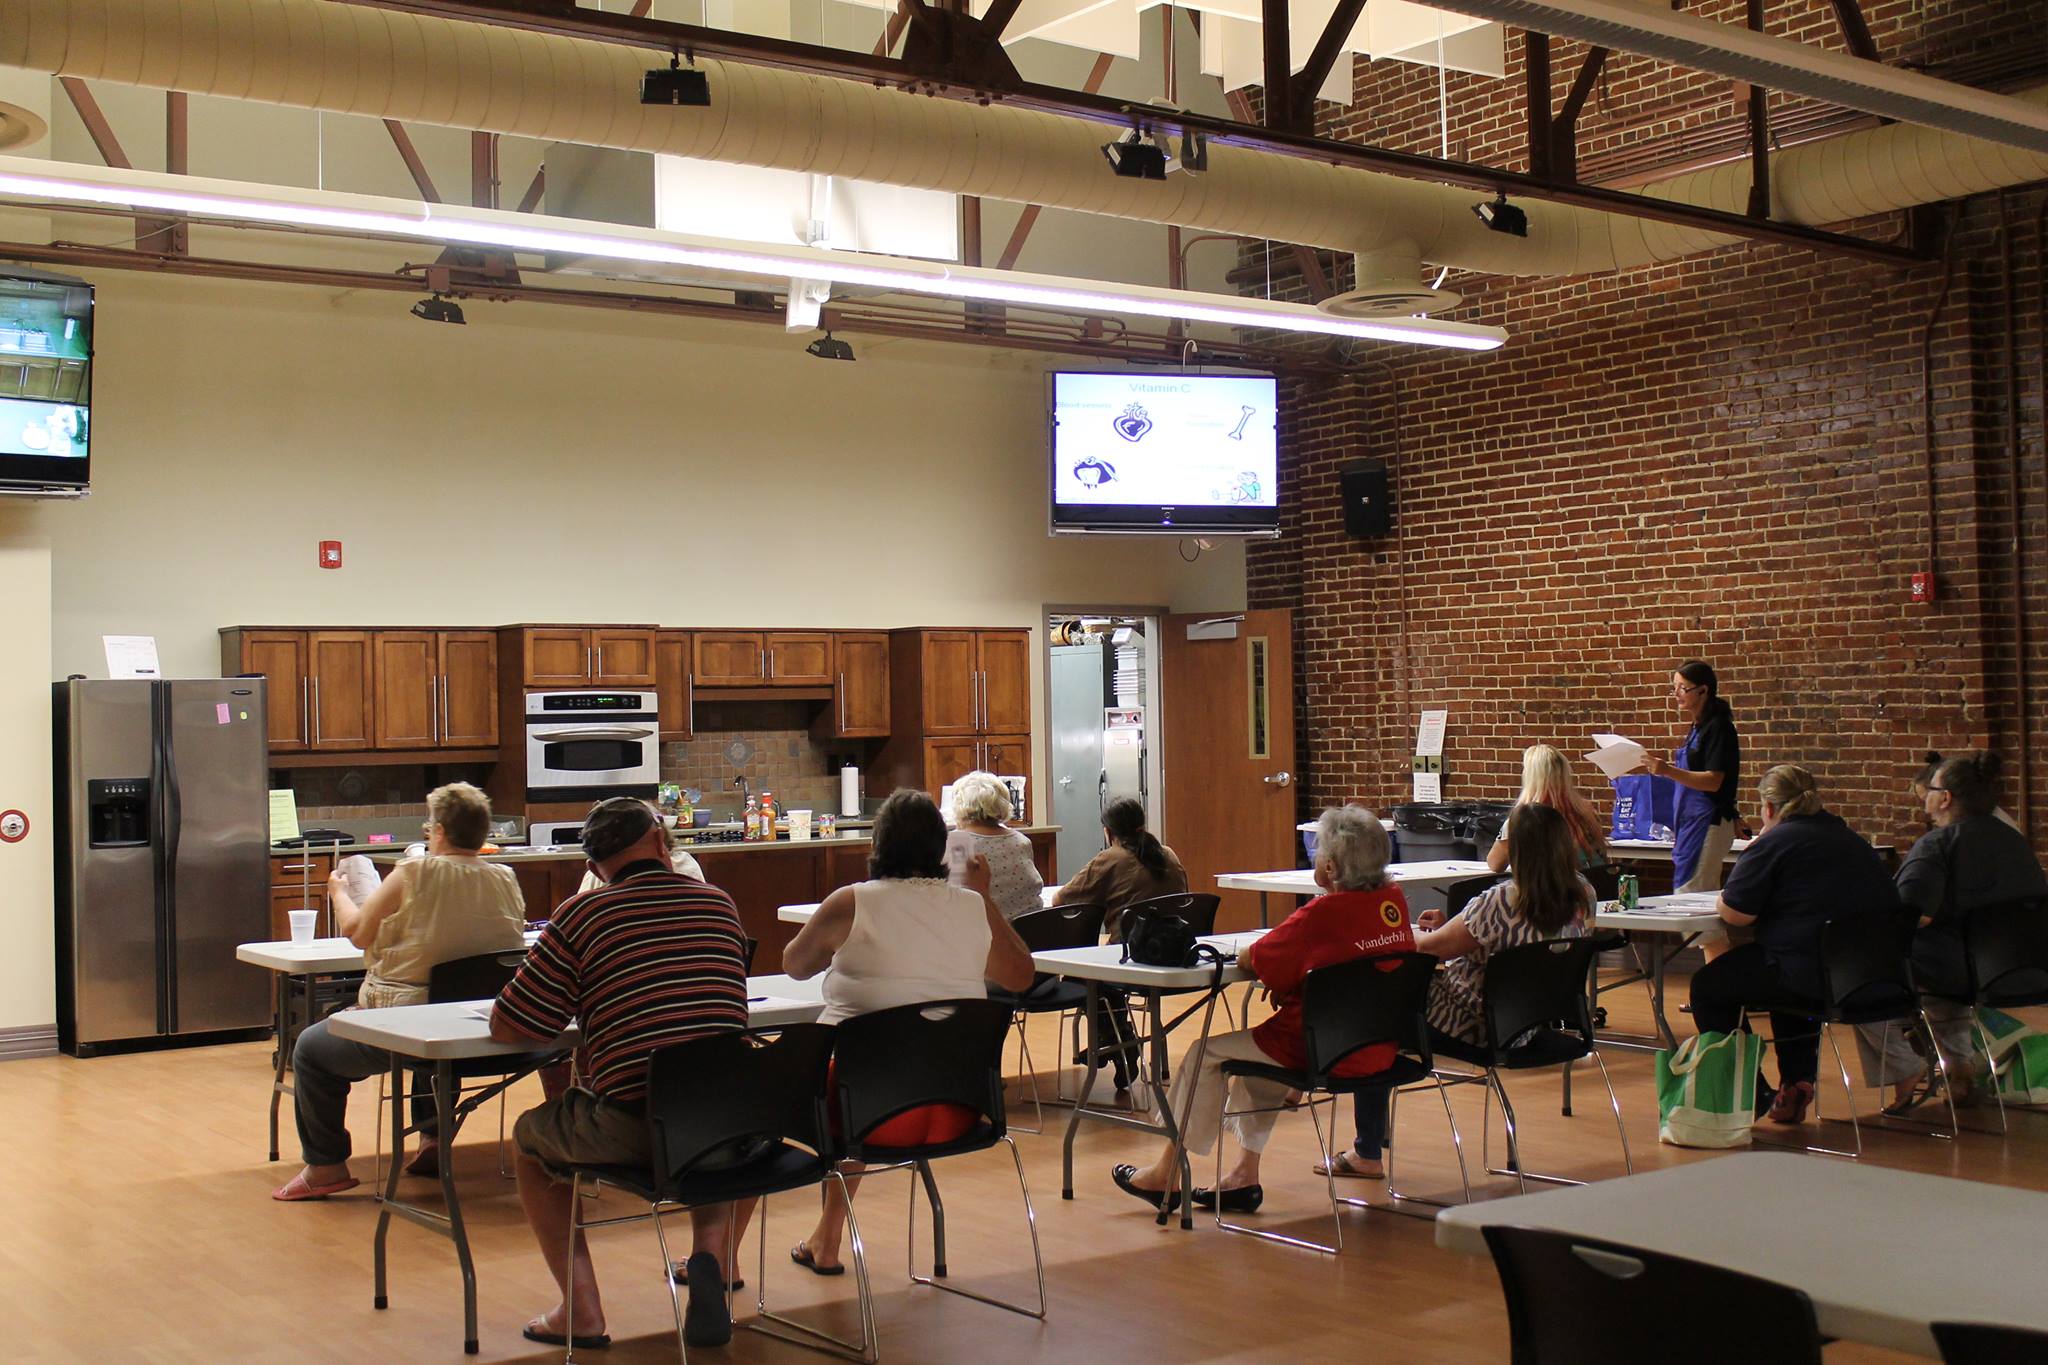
[[902, 937]]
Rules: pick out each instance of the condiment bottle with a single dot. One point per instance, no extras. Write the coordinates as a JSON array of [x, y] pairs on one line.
[[753, 821], [767, 815]]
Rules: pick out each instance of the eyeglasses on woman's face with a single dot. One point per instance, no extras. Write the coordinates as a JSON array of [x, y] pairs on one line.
[[1684, 690]]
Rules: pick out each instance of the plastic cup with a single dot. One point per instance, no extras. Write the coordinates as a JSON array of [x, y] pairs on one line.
[[799, 824], [302, 924]]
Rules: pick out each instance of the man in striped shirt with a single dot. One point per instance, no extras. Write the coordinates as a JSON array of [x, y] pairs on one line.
[[649, 959]]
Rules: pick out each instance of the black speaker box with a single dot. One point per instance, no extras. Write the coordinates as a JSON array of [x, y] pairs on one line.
[[1368, 505]]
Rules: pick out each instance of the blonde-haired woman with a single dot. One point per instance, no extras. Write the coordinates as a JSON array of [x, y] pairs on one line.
[[1805, 868], [980, 804], [1547, 781], [450, 904]]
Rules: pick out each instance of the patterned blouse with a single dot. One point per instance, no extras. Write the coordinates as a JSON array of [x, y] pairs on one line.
[[1457, 994], [1013, 880]]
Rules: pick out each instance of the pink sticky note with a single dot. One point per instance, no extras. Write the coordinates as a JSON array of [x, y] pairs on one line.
[[380, 839], [220, 712]]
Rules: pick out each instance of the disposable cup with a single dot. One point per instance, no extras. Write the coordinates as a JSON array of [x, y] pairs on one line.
[[799, 824], [302, 924]]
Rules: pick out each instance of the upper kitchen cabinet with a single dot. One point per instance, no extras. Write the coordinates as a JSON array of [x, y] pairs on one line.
[[729, 658], [798, 658], [469, 689], [435, 689], [280, 657], [342, 710], [860, 686], [674, 685], [967, 682], [320, 692], [370, 690], [582, 656], [1004, 660]]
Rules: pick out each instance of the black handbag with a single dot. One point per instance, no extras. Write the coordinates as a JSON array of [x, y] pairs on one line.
[[1157, 938]]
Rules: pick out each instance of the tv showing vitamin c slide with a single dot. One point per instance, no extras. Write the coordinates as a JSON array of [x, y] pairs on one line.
[[45, 383], [1164, 454]]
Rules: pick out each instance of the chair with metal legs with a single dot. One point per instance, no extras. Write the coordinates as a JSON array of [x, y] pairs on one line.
[[939, 1053], [1867, 979], [731, 1118], [1063, 926], [1536, 1015], [1345, 1008], [2005, 957]]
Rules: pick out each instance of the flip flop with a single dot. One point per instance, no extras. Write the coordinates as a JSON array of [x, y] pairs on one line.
[[679, 1271], [1898, 1109], [547, 1338], [801, 1254], [296, 1190], [1341, 1168]]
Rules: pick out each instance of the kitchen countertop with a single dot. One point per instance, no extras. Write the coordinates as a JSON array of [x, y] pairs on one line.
[[393, 853]]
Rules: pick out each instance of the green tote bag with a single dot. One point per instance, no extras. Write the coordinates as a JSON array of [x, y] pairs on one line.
[[1706, 1090]]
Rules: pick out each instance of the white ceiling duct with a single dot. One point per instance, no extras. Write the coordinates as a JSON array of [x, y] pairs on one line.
[[1776, 64], [353, 59]]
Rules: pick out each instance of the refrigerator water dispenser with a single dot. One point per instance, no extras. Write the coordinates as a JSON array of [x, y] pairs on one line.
[[117, 812]]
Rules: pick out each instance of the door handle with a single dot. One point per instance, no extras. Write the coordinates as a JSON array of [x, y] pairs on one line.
[[1282, 778], [315, 713], [434, 709], [1067, 782], [839, 698], [306, 710], [586, 663], [444, 707], [599, 675]]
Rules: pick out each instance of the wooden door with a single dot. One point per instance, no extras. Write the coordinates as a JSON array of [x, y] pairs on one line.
[[952, 692], [622, 658], [1004, 659], [948, 760], [280, 656], [860, 693], [1009, 756], [799, 658], [558, 656], [673, 683], [1226, 735], [406, 672], [339, 661], [728, 658], [469, 689]]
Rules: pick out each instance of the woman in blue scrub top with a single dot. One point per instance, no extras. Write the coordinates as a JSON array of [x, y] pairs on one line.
[[1707, 768]]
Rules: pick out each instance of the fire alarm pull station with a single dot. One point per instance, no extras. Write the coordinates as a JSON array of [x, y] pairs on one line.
[[1922, 590], [330, 554]]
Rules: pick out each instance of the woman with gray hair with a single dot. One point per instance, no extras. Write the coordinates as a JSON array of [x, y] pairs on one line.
[[980, 803], [1360, 914]]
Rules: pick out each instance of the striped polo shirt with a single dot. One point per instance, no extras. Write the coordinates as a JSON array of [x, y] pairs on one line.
[[652, 959]]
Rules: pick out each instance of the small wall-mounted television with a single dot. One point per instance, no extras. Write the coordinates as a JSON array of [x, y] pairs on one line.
[[1152, 453], [45, 384]]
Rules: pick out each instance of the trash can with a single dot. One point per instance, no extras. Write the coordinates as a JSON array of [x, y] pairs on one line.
[[1430, 831], [1482, 824]]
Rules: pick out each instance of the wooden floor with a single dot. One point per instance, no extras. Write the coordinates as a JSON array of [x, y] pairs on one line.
[[139, 1228]]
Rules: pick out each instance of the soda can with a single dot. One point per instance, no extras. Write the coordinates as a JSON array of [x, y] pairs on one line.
[[1627, 890]]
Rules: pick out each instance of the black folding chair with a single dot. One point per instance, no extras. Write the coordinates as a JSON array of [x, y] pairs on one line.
[[2005, 957], [1198, 908], [1538, 1014], [941, 1052], [1460, 894], [1984, 1343], [730, 1117], [1868, 980], [1344, 1008], [479, 977], [1043, 931], [1576, 1301]]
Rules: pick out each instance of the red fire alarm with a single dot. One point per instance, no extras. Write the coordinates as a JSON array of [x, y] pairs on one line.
[[330, 554], [1922, 590]]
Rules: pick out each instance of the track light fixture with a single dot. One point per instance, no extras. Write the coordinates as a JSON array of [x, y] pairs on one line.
[[1194, 153], [1501, 216], [676, 84], [438, 308], [829, 347], [1133, 158]]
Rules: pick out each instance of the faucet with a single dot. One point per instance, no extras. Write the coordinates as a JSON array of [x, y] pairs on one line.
[[746, 790]]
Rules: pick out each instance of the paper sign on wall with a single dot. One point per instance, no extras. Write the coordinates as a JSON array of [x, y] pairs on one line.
[[1429, 787], [1429, 736], [131, 656]]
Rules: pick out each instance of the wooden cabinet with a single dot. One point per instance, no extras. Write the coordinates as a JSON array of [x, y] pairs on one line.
[[959, 700], [585, 656], [298, 881], [730, 658], [407, 673], [468, 690], [860, 689], [342, 688], [798, 658], [372, 690], [674, 683], [280, 657]]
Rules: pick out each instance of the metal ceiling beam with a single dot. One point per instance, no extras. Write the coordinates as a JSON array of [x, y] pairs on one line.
[[1854, 30], [1564, 127], [176, 236], [663, 36], [410, 155], [155, 231], [1759, 132], [1536, 94], [1028, 219], [1322, 61]]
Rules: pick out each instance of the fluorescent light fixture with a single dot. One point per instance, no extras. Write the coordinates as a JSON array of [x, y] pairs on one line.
[[240, 201]]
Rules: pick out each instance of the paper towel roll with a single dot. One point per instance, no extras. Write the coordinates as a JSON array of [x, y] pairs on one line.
[[849, 791]]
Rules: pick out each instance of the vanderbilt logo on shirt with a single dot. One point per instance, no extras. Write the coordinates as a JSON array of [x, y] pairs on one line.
[[1392, 914]]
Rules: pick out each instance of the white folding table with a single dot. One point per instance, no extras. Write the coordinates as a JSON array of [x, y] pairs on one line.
[[1102, 966], [1669, 925], [801, 914], [1882, 1253], [1301, 881], [1659, 850], [447, 1033]]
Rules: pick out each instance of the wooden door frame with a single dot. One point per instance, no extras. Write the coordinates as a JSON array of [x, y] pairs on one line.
[[1041, 732]]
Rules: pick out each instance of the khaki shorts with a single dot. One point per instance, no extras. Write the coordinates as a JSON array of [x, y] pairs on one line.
[[583, 1128]]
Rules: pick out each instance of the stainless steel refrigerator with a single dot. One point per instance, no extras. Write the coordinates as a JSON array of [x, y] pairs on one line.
[[162, 858]]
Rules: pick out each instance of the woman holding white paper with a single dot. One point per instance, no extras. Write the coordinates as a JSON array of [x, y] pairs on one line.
[[1707, 768]]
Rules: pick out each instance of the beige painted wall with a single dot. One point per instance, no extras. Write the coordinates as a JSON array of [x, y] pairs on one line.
[[28, 987], [553, 464]]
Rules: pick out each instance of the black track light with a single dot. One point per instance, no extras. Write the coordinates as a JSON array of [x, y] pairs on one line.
[[676, 84], [1133, 158], [1501, 216], [1194, 153], [829, 347], [438, 308]]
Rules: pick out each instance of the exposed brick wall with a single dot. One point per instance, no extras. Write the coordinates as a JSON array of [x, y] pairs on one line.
[[1720, 457]]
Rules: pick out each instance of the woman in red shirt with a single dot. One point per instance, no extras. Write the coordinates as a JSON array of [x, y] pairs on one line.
[[1360, 914]]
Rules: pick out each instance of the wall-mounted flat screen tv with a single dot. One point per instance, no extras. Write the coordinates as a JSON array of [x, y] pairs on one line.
[[45, 383], [1164, 454]]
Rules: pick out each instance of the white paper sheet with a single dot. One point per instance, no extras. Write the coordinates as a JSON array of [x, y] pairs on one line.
[[1429, 787], [361, 876], [1429, 735], [1616, 754], [131, 656]]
